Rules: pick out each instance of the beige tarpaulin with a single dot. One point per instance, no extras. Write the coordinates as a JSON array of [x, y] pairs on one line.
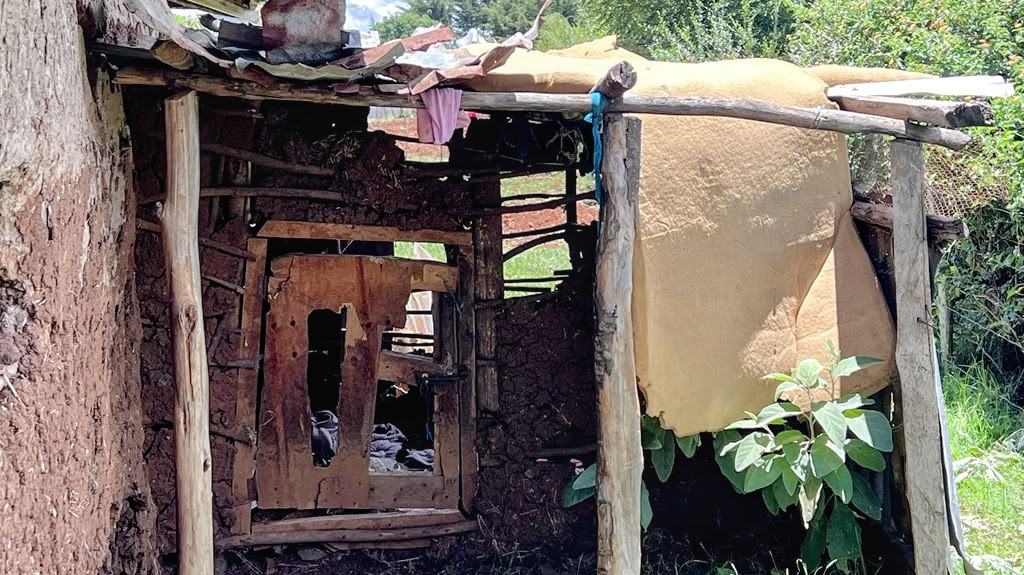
[[747, 259]]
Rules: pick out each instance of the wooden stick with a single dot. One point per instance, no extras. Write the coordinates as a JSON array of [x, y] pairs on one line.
[[330, 231], [619, 78], [535, 207], [934, 112], [224, 284], [620, 457], [533, 280], [810, 118], [260, 160], [153, 227], [488, 285], [924, 487], [551, 452], [346, 535], [537, 231], [977, 86], [531, 244], [180, 221], [940, 228], [537, 196], [527, 289]]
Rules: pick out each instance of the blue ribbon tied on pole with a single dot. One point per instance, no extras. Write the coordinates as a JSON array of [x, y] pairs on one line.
[[596, 118]]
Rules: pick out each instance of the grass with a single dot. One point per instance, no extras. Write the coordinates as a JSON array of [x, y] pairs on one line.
[[986, 435]]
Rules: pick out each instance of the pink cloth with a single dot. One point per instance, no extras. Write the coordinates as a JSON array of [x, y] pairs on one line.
[[438, 121]]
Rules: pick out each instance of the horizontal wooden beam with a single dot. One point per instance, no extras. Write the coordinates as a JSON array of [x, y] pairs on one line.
[[536, 206], [385, 520], [532, 244], [345, 535], [756, 110], [326, 231], [958, 86], [940, 228], [934, 112]]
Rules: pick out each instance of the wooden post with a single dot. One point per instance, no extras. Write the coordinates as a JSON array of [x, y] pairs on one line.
[[925, 487], [180, 220], [620, 458], [489, 286]]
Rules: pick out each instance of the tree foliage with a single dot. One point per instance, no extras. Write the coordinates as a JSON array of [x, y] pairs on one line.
[[499, 18], [696, 30], [953, 37]]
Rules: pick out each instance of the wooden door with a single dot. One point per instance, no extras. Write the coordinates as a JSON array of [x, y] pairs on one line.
[[371, 293]]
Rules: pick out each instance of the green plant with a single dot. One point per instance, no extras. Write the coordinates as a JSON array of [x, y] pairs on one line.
[[661, 445], [790, 455]]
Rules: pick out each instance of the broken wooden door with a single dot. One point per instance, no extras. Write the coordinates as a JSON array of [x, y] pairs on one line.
[[358, 298]]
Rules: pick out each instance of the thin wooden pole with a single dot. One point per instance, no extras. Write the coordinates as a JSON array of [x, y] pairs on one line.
[[488, 285], [920, 399], [620, 459], [180, 220]]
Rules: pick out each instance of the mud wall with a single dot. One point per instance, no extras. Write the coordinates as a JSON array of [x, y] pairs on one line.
[[545, 354], [74, 497]]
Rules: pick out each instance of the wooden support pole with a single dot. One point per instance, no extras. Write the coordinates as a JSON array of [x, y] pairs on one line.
[[180, 220], [488, 285], [620, 458], [920, 400]]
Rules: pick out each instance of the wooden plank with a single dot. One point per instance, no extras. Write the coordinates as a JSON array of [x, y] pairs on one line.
[[404, 367], [244, 464], [347, 535], [386, 520], [959, 86], [412, 489], [320, 230], [462, 317], [940, 228], [488, 285], [914, 347], [180, 221], [756, 110], [935, 112], [620, 458]]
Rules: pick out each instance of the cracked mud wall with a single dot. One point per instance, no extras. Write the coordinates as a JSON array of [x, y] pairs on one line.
[[73, 496]]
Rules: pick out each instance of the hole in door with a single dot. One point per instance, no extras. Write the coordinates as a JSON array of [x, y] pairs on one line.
[[403, 429], [326, 337]]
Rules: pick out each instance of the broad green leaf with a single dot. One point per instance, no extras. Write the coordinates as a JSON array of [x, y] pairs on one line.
[[646, 512], [572, 496], [783, 496], [689, 444], [744, 424], [789, 436], [864, 498], [727, 462], [872, 428], [852, 365], [790, 481], [665, 457], [843, 537], [823, 459], [864, 455], [776, 412], [763, 474], [786, 387], [586, 479], [831, 420], [853, 401], [729, 447], [813, 546], [841, 483], [808, 372], [778, 377], [807, 496], [769, 501], [650, 432], [749, 450]]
